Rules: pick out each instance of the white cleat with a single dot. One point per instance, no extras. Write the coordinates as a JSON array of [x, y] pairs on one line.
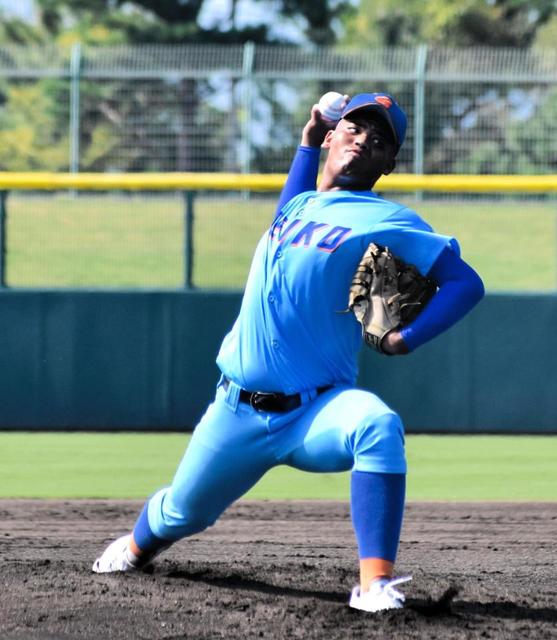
[[381, 596], [116, 557]]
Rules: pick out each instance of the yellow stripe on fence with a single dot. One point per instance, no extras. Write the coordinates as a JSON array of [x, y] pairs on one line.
[[266, 182]]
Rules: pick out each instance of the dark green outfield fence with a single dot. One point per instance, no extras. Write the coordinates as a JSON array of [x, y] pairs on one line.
[[145, 360]]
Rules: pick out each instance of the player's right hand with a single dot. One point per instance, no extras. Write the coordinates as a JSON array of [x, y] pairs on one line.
[[315, 130]]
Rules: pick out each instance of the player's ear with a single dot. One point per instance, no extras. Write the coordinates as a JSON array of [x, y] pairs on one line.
[[327, 141]]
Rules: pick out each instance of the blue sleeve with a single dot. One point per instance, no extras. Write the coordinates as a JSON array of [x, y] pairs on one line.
[[460, 289], [302, 175]]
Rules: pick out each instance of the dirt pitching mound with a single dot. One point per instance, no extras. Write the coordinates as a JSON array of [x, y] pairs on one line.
[[278, 570]]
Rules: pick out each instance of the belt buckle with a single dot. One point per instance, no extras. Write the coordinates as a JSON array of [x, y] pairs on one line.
[[259, 398]]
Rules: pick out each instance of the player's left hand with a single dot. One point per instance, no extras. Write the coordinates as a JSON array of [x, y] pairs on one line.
[[385, 295], [393, 344]]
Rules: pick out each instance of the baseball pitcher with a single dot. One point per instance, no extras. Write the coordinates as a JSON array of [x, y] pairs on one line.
[[339, 266]]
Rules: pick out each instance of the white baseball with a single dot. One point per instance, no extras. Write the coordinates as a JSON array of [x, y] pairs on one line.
[[330, 105]]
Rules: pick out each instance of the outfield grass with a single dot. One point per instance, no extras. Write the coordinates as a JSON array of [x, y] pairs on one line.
[[130, 465], [129, 241]]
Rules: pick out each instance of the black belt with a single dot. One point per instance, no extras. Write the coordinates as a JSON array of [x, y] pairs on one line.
[[270, 401]]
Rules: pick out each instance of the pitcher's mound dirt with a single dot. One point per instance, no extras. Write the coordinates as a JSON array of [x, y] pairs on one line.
[[278, 570]]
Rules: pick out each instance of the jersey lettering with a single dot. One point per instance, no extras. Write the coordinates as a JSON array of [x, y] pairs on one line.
[[332, 241], [305, 234], [278, 232]]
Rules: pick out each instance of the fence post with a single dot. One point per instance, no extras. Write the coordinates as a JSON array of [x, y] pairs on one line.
[[3, 215], [419, 112], [189, 197], [247, 108], [75, 74]]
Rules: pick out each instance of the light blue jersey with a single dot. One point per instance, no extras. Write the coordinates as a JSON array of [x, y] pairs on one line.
[[291, 334]]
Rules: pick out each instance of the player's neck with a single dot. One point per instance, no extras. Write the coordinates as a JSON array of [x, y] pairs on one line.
[[337, 179], [344, 182]]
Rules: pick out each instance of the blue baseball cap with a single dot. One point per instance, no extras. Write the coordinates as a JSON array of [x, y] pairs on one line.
[[384, 105]]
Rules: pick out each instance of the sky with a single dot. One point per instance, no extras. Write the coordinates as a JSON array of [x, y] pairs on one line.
[[17, 8], [214, 12]]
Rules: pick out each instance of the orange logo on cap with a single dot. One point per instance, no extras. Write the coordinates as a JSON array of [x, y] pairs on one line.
[[384, 100]]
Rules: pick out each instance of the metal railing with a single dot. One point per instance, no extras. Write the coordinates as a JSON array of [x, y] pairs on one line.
[[241, 108]]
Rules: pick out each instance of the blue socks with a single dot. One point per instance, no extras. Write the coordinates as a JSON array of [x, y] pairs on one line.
[[144, 538], [377, 501]]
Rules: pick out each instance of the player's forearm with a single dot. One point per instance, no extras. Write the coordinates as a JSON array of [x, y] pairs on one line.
[[305, 166], [302, 175], [460, 290], [451, 303]]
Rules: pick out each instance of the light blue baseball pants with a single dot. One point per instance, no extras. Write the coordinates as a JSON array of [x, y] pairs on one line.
[[233, 446]]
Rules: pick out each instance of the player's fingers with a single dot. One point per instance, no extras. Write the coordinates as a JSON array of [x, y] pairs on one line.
[[317, 118], [316, 112]]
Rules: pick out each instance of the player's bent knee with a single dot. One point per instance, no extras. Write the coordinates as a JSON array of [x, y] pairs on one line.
[[379, 445], [172, 522]]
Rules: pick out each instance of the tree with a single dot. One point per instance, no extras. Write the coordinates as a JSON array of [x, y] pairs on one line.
[[520, 145], [177, 21], [457, 118], [108, 139], [31, 135], [510, 23]]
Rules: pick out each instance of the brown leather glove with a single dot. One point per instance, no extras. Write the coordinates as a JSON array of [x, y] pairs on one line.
[[386, 294]]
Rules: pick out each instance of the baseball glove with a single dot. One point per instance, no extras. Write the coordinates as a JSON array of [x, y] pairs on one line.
[[386, 294]]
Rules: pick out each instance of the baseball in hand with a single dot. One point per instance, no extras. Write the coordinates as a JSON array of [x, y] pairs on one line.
[[331, 105]]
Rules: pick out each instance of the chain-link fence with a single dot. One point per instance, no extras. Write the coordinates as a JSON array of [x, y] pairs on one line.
[[241, 108], [206, 240]]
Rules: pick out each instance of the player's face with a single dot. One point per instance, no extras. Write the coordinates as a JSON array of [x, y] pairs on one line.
[[361, 150]]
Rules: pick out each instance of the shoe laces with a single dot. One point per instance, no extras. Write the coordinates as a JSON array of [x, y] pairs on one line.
[[388, 587]]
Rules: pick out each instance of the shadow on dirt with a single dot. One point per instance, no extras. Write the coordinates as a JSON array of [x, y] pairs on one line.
[[428, 608], [237, 581], [507, 610], [443, 606]]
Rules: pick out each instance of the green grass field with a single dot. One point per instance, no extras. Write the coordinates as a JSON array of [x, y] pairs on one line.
[[135, 241], [131, 241], [132, 465]]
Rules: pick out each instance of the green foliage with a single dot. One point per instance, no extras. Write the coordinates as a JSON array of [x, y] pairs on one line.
[[35, 136], [523, 137], [512, 23], [546, 35], [515, 143], [18, 32], [176, 21], [32, 137], [105, 105], [520, 144]]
